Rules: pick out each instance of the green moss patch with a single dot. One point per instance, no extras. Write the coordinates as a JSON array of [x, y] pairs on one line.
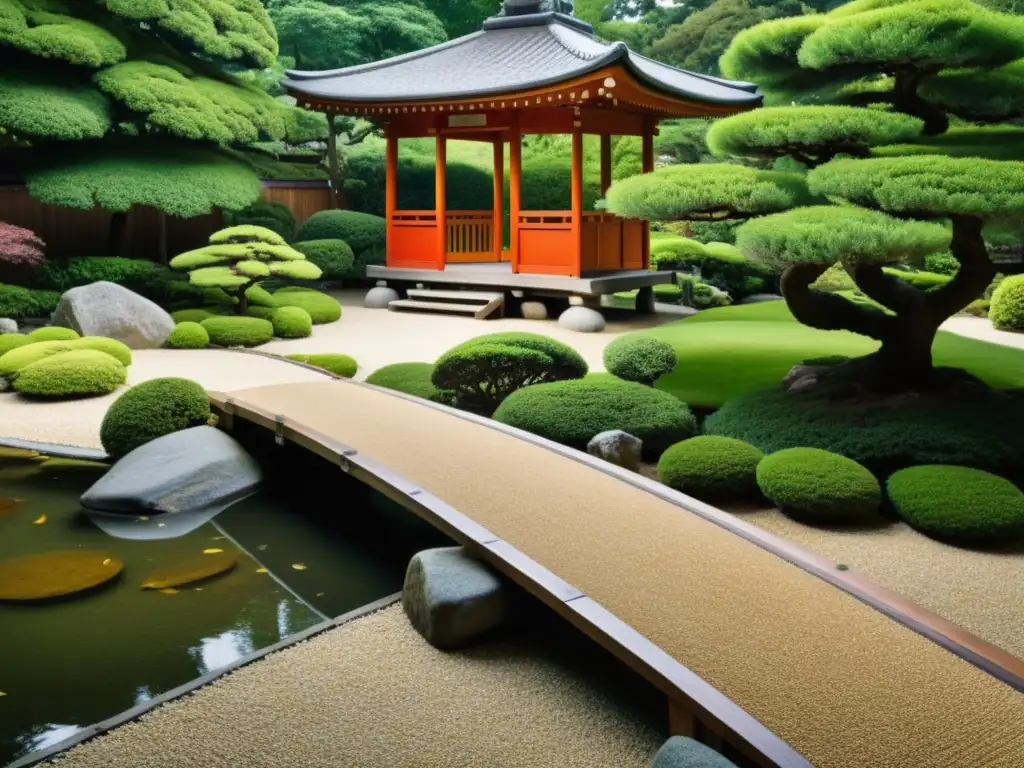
[[78, 373], [238, 331], [188, 335], [410, 378], [291, 323], [339, 365], [711, 468]]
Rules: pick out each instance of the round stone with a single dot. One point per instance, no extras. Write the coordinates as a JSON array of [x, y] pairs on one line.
[[7, 325], [582, 319], [534, 310], [380, 297]]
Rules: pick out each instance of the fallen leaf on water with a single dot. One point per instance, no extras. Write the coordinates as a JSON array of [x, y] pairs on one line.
[[217, 538], [261, 570], [169, 591], [2, 693], [212, 551], [199, 589], [108, 561], [320, 594], [261, 547], [299, 566], [40, 520], [160, 525]]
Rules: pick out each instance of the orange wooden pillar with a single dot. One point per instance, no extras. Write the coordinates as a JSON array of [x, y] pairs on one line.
[[515, 171], [606, 162], [647, 155], [497, 230], [577, 202], [390, 193], [440, 201]]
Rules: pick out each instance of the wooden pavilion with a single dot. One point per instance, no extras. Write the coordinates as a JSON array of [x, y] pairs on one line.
[[525, 72]]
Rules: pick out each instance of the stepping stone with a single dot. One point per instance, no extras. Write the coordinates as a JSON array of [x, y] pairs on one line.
[[617, 447], [684, 752]]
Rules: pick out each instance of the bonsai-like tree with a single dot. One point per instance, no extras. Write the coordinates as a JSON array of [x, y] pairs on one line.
[[239, 257]]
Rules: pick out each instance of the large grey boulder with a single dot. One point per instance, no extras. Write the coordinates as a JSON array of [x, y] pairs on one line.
[[684, 752], [582, 319], [534, 310], [7, 325], [184, 471], [617, 447], [108, 309], [451, 599], [380, 297]]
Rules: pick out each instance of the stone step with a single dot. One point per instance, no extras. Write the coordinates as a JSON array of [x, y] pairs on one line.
[[435, 306], [460, 296]]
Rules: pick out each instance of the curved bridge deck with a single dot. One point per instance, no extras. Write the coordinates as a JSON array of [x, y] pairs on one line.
[[754, 648]]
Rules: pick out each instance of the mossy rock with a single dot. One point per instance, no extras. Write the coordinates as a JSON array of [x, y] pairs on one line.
[[291, 323], [55, 574], [22, 356], [321, 307], [199, 568], [238, 331], [79, 373], [150, 410], [53, 333], [188, 335]]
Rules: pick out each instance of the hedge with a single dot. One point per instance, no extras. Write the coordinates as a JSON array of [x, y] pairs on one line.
[[150, 410], [78, 373], [573, 412], [334, 257], [711, 468], [819, 487], [188, 335], [291, 323], [192, 315], [639, 358], [23, 355], [718, 264], [339, 365], [321, 307], [53, 333], [1007, 308], [362, 231], [410, 378], [238, 331], [18, 303], [958, 505]]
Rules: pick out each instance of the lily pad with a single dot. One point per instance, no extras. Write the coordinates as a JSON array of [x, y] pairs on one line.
[[54, 574], [74, 465], [192, 570]]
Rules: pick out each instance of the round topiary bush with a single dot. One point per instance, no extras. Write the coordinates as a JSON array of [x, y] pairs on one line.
[[410, 378], [639, 358], [291, 323], [78, 373], [572, 412], [1007, 308], [25, 354], [53, 333], [150, 410], [193, 315], [9, 341], [334, 257], [819, 487], [188, 335], [361, 231], [958, 505], [238, 331], [339, 365], [321, 307], [711, 468]]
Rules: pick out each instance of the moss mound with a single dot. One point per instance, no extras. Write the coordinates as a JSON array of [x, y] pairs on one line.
[[188, 335], [78, 373], [958, 505], [711, 468], [21, 356], [291, 323], [572, 412], [192, 315], [238, 331], [819, 487], [150, 410], [54, 574], [361, 231], [11, 341], [321, 307], [1007, 308], [334, 257], [639, 358], [410, 378], [339, 365], [53, 333]]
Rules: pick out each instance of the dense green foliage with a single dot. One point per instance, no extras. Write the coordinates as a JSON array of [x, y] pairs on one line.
[[334, 257], [34, 105], [410, 378], [573, 412], [78, 373], [819, 487], [711, 468], [639, 358], [53, 333], [718, 264], [483, 371], [1007, 308], [319, 306], [150, 410], [339, 365], [18, 303], [958, 505], [361, 231], [238, 331], [188, 335], [291, 323], [265, 213]]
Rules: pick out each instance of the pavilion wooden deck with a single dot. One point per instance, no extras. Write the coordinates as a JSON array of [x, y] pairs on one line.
[[756, 650]]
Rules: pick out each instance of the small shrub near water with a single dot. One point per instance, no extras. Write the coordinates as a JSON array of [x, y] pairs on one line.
[[150, 410]]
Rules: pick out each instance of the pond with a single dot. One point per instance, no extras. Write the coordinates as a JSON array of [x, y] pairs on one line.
[[73, 661]]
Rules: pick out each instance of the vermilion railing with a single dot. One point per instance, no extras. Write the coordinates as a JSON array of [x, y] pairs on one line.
[[470, 235]]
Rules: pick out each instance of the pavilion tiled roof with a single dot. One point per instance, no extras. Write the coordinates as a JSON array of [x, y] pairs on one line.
[[510, 54]]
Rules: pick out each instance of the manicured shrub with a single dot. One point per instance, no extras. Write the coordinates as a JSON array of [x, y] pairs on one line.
[[150, 410], [958, 505], [362, 231], [266, 313], [711, 468], [78, 373], [667, 293], [410, 378], [321, 307], [339, 365], [639, 358], [24, 355], [942, 264], [265, 213], [482, 372], [334, 257], [291, 323], [188, 335], [9, 341], [718, 264], [819, 487], [978, 308], [53, 333], [18, 303], [1007, 308], [116, 349], [192, 315], [701, 295], [238, 331], [572, 412], [885, 436], [921, 280], [835, 279]]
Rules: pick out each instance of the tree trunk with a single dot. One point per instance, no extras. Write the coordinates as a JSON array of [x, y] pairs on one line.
[[243, 301], [118, 237], [333, 165], [907, 100]]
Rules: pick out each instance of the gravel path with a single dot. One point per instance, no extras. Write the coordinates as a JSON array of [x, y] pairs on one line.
[[981, 328], [373, 694]]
